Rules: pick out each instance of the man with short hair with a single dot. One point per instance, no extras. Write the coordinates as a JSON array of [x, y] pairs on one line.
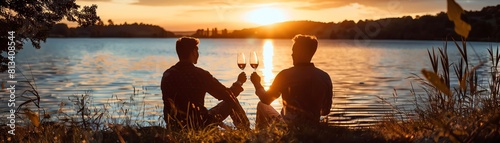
[[306, 90], [184, 87]]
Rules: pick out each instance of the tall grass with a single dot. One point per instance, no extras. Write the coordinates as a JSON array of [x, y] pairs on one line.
[[119, 121], [461, 110], [466, 112]]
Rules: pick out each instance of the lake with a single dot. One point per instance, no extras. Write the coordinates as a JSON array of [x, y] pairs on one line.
[[123, 75]]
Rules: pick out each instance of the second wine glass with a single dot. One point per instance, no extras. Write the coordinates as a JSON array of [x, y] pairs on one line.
[[254, 60]]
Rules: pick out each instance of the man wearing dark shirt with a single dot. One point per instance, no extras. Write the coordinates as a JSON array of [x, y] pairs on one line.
[[306, 90], [184, 87]]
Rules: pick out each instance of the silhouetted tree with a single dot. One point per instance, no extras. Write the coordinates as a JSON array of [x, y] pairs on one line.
[[215, 33], [200, 33], [59, 30], [224, 32], [208, 33], [33, 19], [100, 23], [110, 22]]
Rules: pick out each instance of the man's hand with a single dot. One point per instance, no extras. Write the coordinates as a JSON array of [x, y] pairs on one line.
[[259, 90], [242, 78], [255, 78]]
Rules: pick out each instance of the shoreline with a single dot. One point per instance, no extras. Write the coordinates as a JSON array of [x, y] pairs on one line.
[[435, 40]]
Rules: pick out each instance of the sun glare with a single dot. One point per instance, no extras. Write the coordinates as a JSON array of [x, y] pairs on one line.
[[266, 15]]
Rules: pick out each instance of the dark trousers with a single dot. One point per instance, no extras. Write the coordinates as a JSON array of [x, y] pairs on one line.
[[266, 115], [215, 116]]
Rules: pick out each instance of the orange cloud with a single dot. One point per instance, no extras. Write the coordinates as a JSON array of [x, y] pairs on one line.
[[386, 5]]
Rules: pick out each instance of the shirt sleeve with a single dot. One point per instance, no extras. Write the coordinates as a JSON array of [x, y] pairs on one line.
[[277, 86], [217, 89]]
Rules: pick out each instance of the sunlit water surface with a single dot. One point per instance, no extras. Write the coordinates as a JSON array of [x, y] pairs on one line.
[[123, 75]]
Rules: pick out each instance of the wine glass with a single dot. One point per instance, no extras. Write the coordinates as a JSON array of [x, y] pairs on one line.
[[254, 60], [242, 62]]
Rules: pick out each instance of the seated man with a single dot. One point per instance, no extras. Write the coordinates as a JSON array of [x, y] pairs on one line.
[[307, 90], [184, 87]]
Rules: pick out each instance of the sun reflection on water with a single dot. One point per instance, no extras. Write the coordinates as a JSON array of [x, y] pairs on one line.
[[267, 71], [267, 54]]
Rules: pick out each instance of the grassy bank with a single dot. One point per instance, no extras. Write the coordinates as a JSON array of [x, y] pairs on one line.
[[118, 121], [460, 103], [91, 125], [54, 133]]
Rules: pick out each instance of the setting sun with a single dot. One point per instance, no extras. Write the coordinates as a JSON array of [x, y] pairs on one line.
[[266, 15]]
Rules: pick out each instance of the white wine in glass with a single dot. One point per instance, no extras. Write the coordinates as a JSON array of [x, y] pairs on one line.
[[242, 62], [254, 60]]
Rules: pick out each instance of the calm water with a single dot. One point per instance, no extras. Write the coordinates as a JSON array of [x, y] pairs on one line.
[[124, 74]]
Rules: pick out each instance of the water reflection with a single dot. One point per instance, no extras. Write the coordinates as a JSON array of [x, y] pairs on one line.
[[267, 71], [267, 54], [132, 68]]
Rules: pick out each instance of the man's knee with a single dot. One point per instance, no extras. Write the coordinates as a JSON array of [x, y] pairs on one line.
[[266, 110]]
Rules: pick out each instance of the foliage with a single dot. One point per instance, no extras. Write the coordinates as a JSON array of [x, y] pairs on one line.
[[32, 20], [468, 112], [83, 122]]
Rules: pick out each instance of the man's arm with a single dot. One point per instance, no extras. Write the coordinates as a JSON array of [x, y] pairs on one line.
[[219, 91], [270, 95], [327, 104]]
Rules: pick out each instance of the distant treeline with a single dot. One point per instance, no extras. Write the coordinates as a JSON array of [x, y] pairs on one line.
[[214, 33], [485, 27], [111, 30]]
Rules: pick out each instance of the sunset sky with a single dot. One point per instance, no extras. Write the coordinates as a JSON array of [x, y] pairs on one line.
[[189, 15]]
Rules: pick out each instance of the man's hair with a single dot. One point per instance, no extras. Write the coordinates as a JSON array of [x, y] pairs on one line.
[[305, 45], [185, 45]]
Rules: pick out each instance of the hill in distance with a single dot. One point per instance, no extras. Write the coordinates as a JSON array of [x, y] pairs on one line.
[[120, 31], [485, 27]]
